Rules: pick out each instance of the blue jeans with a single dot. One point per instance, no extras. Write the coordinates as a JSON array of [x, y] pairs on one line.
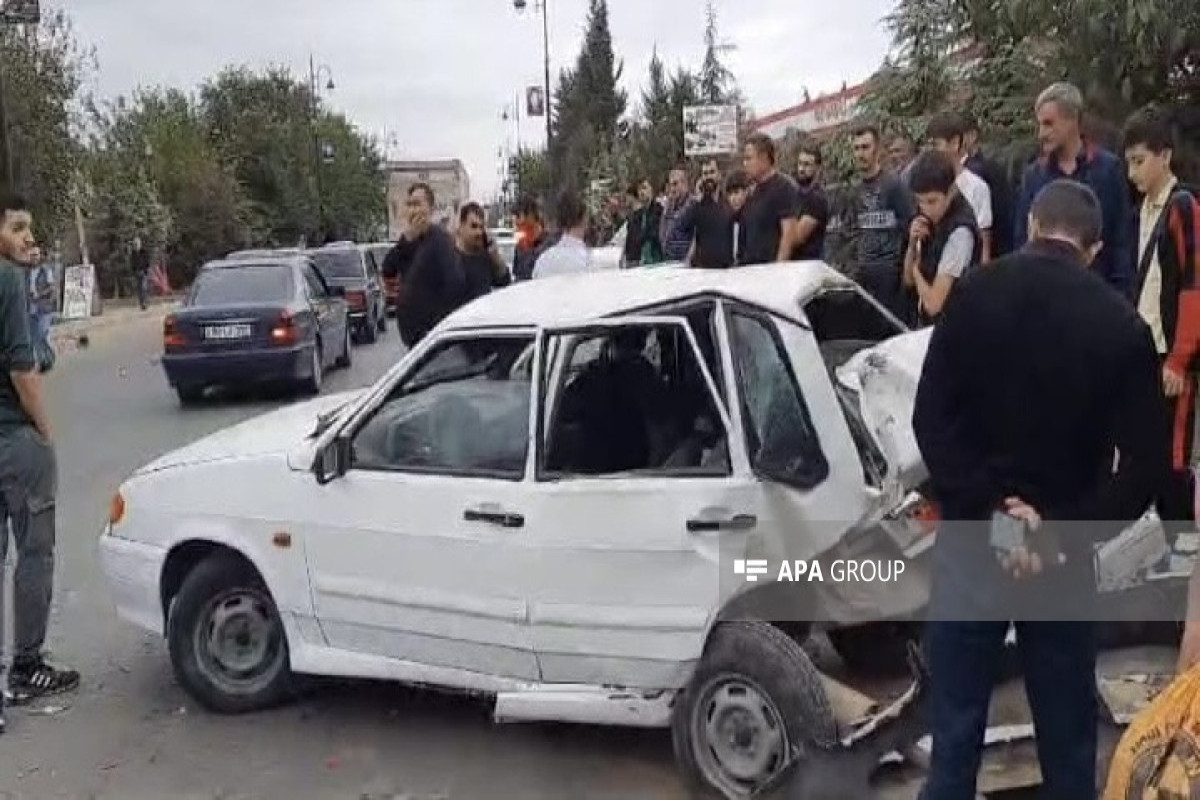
[[1059, 663]]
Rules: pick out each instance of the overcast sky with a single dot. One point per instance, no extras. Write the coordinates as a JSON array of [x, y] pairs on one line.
[[437, 74]]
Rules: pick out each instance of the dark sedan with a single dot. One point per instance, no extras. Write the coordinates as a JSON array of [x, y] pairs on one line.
[[349, 267], [251, 322]]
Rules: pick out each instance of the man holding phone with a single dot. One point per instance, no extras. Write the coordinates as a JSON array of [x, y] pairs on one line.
[[1035, 372]]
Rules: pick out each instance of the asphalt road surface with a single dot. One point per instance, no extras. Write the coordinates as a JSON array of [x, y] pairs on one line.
[[131, 732]]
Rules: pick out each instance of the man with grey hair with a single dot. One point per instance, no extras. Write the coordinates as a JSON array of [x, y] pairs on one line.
[[1025, 448], [1065, 154]]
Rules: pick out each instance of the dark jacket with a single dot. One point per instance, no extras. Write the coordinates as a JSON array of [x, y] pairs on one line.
[[526, 255], [1179, 260], [433, 283], [482, 273], [959, 215], [1035, 372], [995, 176], [1104, 173]]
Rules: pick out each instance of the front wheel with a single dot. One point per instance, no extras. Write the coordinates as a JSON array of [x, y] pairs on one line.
[[347, 357], [755, 703], [316, 377], [227, 642]]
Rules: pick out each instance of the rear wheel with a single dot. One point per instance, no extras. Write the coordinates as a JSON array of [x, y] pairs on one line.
[[347, 357], [316, 377], [754, 703], [189, 395], [382, 321], [370, 331], [227, 642]]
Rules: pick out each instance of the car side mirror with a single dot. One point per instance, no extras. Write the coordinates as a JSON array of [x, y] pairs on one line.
[[333, 461]]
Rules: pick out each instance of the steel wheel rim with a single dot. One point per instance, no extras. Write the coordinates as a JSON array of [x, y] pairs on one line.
[[239, 642], [739, 739]]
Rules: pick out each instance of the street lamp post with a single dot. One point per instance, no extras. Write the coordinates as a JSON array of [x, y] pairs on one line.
[[540, 5], [314, 74]]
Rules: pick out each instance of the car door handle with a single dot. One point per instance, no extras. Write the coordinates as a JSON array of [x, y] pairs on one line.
[[504, 519], [739, 522]]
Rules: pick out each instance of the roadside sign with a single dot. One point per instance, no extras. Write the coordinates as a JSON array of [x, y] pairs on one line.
[[79, 282], [710, 130], [20, 12]]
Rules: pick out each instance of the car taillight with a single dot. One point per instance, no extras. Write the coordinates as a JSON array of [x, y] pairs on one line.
[[356, 299], [284, 329], [172, 338]]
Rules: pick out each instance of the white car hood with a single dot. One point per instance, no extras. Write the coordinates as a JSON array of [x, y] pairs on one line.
[[275, 432], [886, 377]]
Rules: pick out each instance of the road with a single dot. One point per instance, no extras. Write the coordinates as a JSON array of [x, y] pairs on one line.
[[131, 733]]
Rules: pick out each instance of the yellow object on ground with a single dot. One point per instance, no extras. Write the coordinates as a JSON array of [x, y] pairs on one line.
[[1159, 754]]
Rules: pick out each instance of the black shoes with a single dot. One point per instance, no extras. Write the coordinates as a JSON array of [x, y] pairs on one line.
[[34, 680]]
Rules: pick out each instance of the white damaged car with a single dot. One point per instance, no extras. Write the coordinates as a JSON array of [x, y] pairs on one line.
[[552, 500]]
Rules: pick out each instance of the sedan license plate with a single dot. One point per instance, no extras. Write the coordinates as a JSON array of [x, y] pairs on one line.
[[226, 332]]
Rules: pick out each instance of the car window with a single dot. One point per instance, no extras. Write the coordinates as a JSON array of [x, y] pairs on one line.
[[844, 321], [630, 400], [338, 264], [463, 411], [253, 283], [316, 289], [780, 437]]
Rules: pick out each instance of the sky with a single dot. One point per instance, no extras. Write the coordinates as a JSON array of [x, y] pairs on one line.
[[433, 77]]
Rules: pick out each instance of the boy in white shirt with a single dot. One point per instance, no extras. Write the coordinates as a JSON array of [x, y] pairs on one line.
[[947, 132]]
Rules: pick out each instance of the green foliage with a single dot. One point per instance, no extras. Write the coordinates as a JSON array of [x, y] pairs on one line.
[[43, 70]]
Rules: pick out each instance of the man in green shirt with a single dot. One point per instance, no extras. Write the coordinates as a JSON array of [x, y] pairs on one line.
[[28, 472]]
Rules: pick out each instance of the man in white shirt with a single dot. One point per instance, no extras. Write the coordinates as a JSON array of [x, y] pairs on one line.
[[947, 132], [571, 255]]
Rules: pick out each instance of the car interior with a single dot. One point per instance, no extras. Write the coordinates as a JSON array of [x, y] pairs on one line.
[[632, 399]]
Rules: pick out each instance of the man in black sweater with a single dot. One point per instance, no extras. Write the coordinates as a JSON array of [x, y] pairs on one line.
[[1035, 372], [433, 283]]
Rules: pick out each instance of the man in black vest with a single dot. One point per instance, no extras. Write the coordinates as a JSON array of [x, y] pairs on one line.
[[944, 239]]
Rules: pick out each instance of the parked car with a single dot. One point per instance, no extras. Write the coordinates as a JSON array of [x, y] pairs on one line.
[[545, 501], [378, 252], [256, 321], [259, 253], [349, 267]]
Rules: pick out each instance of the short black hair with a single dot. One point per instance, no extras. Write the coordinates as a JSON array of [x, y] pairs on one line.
[[10, 201], [932, 171], [425, 189], [810, 148], [970, 124], [863, 129], [1069, 208], [527, 206], [470, 209], [947, 126], [736, 181], [1149, 126], [569, 211], [762, 144], [633, 190]]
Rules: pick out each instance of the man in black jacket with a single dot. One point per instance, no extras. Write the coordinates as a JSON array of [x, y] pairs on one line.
[[432, 281], [1035, 372]]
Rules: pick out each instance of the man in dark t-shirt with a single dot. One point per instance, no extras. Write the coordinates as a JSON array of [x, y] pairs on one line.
[[770, 212], [28, 473], [432, 281], [812, 207], [484, 269]]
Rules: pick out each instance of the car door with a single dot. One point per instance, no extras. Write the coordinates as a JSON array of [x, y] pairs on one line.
[[419, 551], [326, 308], [630, 556]]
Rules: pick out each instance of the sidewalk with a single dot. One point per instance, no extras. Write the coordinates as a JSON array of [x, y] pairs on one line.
[[116, 313]]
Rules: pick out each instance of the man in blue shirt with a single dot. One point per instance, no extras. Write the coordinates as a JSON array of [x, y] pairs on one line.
[[1065, 154]]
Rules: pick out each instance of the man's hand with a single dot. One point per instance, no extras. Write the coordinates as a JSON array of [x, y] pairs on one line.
[[1022, 561], [919, 229], [1172, 382], [1189, 647]]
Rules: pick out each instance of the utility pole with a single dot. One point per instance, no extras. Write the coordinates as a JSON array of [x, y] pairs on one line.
[[314, 73], [542, 5]]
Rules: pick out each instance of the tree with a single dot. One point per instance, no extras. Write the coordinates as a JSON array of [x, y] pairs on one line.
[[716, 81], [44, 68]]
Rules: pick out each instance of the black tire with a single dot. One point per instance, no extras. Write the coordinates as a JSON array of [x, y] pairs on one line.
[[225, 585], [769, 666], [347, 358], [312, 384], [381, 323], [370, 331], [189, 395]]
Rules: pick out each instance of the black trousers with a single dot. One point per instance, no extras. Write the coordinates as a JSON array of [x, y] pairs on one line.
[[1059, 663], [1175, 499]]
